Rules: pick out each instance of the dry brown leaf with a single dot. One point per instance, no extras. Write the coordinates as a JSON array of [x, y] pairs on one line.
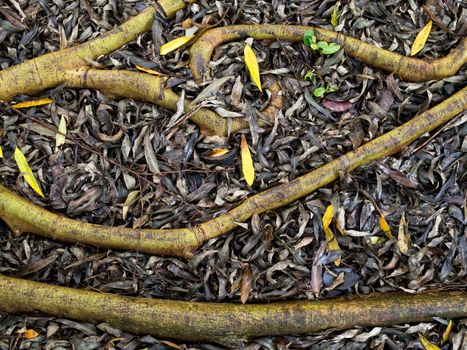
[[245, 285]]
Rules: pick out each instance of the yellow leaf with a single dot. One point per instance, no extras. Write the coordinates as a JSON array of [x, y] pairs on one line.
[[175, 44], [1, 152], [335, 14], [252, 65], [332, 241], [149, 71], [447, 332], [385, 226], [130, 199], [60, 137], [33, 103], [421, 38], [217, 152], [29, 334], [26, 171], [327, 217], [247, 162], [426, 344]]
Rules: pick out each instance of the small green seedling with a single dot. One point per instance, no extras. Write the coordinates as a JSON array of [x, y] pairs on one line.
[[321, 90], [309, 39]]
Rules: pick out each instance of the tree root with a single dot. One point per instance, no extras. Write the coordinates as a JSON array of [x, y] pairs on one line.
[[181, 242], [228, 324], [408, 68]]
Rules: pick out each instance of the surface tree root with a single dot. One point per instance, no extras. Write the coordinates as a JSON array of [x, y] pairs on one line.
[[224, 323], [408, 68], [181, 242]]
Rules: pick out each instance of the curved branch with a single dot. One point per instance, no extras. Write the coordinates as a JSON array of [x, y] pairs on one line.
[[228, 324], [408, 68], [50, 70], [180, 242]]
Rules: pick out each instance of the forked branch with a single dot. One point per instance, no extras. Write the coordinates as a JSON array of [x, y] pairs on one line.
[[182, 241]]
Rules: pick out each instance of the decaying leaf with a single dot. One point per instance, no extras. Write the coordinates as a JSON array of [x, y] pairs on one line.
[[245, 285], [29, 334], [247, 162], [33, 103], [217, 152], [385, 226], [403, 238], [130, 199], [252, 65], [174, 44], [26, 171], [427, 344], [332, 241], [60, 137], [447, 332], [421, 38]]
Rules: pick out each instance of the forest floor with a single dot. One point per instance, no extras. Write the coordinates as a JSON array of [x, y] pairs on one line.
[[421, 190]]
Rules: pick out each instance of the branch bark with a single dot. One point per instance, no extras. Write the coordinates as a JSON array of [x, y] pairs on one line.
[[408, 68], [227, 324], [181, 242]]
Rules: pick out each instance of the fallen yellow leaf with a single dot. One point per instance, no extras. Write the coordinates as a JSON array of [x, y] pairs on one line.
[[332, 241], [217, 152], [1, 152], [175, 44], [335, 14], [27, 172], [33, 103], [427, 344], [29, 334], [385, 226], [60, 137], [447, 332], [252, 65], [247, 162], [130, 199], [421, 38], [149, 71]]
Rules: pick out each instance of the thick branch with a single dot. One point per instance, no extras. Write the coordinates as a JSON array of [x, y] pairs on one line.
[[180, 242], [226, 323], [408, 68], [50, 70]]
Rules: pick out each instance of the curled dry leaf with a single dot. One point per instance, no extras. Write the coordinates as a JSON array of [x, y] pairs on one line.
[[247, 162], [175, 44], [27, 172], [403, 238], [337, 106], [60, 137], [421, 38], [33, 103], [252, 65], [245, 285]]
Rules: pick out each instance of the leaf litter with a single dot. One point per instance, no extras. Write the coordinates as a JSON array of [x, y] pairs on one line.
[[179, 182]]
